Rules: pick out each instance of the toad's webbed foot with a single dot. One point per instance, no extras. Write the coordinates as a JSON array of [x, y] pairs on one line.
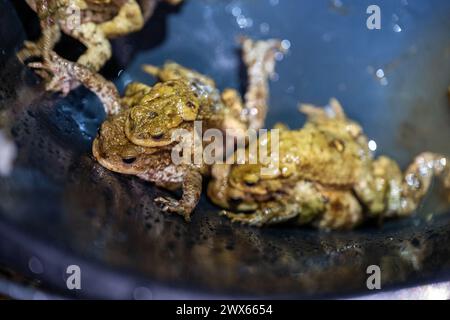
[[192, 188], [55, 75], [65, 75], [172, 205]]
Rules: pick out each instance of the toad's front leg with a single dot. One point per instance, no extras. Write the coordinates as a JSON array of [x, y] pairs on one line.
[[134, 92], [342, 211], [192, 188]]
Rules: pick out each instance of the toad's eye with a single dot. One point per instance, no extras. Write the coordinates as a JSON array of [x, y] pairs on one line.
[[157, 136], [251, 179], [128, 160], [190, 105], [152, 114]]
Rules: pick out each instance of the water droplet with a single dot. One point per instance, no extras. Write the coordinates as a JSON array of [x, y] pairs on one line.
[[236, 11], [279, 56], [372, 145], [380, 73], [397, 28], [244, 22], [381, 76], [285, 44]]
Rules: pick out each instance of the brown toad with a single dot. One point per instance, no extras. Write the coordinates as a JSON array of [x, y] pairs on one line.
[[92, 22], [325, 175], [137, 137]]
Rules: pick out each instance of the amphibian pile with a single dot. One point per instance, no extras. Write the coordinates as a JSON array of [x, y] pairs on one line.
[[326, 176], [136, 137]]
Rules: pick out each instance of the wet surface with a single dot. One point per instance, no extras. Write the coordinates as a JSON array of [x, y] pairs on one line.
[[60, 207]]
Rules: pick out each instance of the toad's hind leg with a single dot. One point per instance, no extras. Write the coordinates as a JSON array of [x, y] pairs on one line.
[[259, 58], [129, 19], [386, 192], [418, 177], [98, 46], [65, 73], [302, 204], [192, 188]]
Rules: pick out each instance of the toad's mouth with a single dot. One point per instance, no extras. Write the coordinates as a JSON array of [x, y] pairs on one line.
[[114, 163]]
